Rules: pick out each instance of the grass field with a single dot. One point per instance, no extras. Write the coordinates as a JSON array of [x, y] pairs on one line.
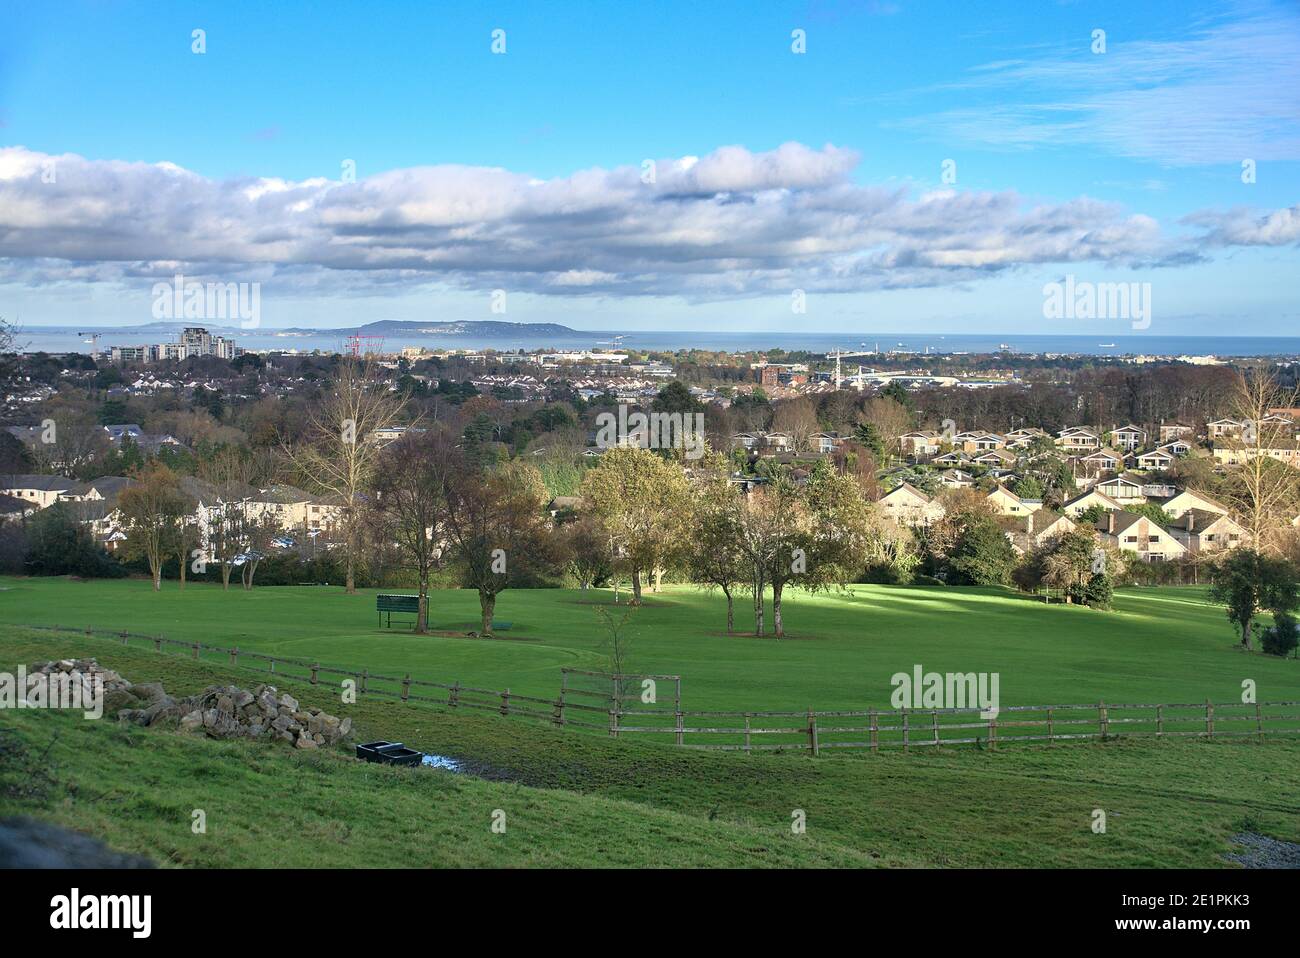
[[574, 799], [1159, 645], [580, 799]]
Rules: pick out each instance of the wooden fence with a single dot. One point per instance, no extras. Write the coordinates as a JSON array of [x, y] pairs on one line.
[[807, 730], [921, 728]]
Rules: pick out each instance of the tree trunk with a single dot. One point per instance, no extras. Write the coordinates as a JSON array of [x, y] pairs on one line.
[[422, 617], [659, 575], [758, 606], [181, 559], [155, 567], [226, 569], [726, 590], [487, 603], [636, 587], [1245, 633], [352, 579], [777, 629]]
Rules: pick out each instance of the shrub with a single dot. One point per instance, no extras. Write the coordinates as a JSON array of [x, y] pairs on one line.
[[1283, 637], [1099, 591]]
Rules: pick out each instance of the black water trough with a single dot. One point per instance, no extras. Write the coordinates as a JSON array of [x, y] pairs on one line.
[[389, 753]]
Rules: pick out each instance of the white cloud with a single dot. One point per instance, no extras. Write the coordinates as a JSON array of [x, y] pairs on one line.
[[731, 223]]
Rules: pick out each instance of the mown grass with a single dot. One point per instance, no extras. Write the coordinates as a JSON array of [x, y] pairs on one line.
[[577, 799], [1159, 645]]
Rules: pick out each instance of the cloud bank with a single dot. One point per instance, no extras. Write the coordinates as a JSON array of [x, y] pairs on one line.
[[732, 223]]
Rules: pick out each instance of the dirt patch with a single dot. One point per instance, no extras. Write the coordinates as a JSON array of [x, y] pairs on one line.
[[1260, 851]]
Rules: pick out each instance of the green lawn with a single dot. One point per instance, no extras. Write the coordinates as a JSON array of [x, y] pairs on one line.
[[574, 799], [1159, 645]]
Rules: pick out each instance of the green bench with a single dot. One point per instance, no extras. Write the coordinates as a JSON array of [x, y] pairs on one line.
[[396, 603]]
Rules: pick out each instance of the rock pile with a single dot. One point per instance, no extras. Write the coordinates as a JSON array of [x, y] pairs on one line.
[[220, 711]]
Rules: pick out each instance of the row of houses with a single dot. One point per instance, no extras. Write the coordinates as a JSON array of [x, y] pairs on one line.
[[1196, 523], [95, 503]]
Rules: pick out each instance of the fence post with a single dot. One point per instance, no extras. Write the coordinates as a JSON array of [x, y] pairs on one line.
[[453, 699], [314, 669], [680, 732], [905, 728], [812, 731], [125, 636], [271, 668], [1259, 722], [557, 712], [365, 676], [1051, 728], [1160, 721], [993, 731], [1209, 719], [234, 656], [613, 723], [157, 644], [875, 732], [747, 748], [505, 702], [406, 687], [1103, 722], [934, 724], [196, 650]]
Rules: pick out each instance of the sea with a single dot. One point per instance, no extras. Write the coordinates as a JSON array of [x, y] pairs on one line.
[[55, 339]]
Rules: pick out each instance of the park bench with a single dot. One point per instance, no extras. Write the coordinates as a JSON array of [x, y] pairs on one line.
[[396, 603]]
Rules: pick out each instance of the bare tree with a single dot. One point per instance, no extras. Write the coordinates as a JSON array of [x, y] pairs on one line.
[[1265, 491], [798, 419], [410, 503], [339, 452]]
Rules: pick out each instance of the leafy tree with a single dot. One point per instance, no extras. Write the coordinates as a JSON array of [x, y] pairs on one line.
[[1099, 591], [496, 532], [1283, 637], [713, 555], [641, 500], [676, 397], [152, 510], [982, 555], [1029, 487], [1067, 563], [57, 544], [1247, 582], [868, 433]]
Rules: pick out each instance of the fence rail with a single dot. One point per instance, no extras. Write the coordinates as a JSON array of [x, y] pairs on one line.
[[754, 731]]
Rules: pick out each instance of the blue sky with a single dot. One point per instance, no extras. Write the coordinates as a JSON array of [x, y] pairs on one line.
[[479, 171]]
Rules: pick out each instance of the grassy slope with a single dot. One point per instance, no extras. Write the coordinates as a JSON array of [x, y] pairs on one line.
[[1165, 645], [577, 799]]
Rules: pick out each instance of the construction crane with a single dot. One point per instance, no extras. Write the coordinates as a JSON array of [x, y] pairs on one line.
[[841, 355], [358, 345]]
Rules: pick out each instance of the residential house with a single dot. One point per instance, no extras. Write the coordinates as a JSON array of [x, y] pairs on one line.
[[1086, 500], [919, 443], [956, 479], [1027, 533], [952, 458], [1130, 438], [1174, 430], [824, 442], [1202, 531], [1138, 534], [1156, 460], [909, 506], [1124, 489], [996, 459], [1020, 438], [1008, 503], [1187, 499], [42, 491], [1101, 461], [1078, 440], [1222, 428]]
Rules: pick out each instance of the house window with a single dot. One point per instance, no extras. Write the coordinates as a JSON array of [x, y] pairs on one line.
[[1130, 538], [1154, 538]]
